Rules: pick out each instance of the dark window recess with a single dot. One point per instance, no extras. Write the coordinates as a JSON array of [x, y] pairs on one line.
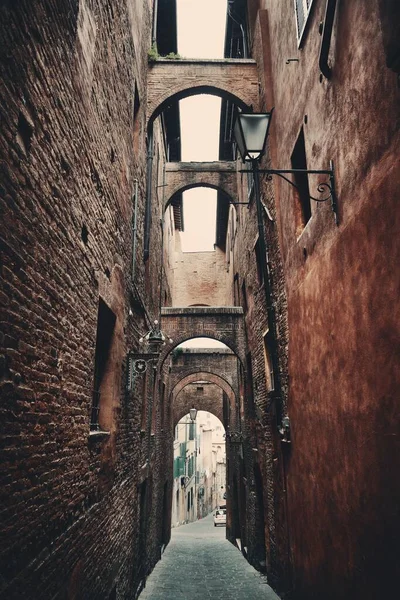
[[249, 383], [24, 133], [136, 103], [200, 389], [105, 328], [191, 431], [259, 262], [236, 290], [84, 234], [244, 297], [136, 119], [269, 371], [113, 594], [299, 161]]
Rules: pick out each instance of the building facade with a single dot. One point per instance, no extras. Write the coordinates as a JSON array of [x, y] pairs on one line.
[[91, 184]]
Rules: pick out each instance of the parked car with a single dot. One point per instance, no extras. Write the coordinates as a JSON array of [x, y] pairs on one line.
[[220, 516]]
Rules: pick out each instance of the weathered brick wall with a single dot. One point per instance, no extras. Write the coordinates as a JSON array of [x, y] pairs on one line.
[[68, 160], [217, 361], [200, 278], [209, 399], [341, 287]]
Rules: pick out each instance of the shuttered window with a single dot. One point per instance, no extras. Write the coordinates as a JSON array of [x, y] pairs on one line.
[[302, 10]]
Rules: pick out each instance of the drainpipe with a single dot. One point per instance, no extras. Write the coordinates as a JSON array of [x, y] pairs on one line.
[[134, 230], [147, 216], [326, 38]]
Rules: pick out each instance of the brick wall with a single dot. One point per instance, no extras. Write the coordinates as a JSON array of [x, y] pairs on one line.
[[200, 278], [69, 156], [340, 291]]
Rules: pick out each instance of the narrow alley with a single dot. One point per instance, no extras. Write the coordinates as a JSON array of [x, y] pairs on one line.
[[199, 275], [199, 563]]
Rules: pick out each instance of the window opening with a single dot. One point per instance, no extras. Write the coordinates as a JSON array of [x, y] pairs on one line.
[[269, 371], [105, 328], [244, 297], [260, 274], [302, 11], [303, 202], [136, 120], [249, 383], [144, 402]]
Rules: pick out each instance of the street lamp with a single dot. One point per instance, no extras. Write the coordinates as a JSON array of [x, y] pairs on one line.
[[193, 414], [251, 133], [155, 338]]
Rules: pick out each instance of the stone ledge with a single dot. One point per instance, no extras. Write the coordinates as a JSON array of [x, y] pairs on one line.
[[201, 310], [203, 61]]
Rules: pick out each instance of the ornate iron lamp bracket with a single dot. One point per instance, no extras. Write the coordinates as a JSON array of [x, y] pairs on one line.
[[327, 186]]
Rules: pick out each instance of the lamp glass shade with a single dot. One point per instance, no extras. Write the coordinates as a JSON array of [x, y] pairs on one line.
[[251, 131], [193, 414]]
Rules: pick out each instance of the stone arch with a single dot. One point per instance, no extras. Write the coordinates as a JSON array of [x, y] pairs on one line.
[[180, 181], [210, 378], [184, 337], [223, 324], [183, 91], [235, 80]]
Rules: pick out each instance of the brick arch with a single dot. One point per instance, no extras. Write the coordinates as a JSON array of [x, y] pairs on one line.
[[194, 90], [219, 176], [186, 373], [223, 324], [179, 412], [191, 186], [172, 80]]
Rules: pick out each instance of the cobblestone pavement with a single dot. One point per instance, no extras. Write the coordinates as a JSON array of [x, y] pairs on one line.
[[199, 563]]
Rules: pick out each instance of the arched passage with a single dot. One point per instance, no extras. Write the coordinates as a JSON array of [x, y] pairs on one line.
[[224, 324], [170, 81], [227, 416], [182, 181]]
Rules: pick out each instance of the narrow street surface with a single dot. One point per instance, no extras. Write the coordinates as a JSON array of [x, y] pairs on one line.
[[200, 563]]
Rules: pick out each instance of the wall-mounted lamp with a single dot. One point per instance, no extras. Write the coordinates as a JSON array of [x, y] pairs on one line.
[[251, 133], [193, 414], [155, 339], [284, 430]]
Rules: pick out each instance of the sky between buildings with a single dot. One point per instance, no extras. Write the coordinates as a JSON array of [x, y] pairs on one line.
[[201, 32]]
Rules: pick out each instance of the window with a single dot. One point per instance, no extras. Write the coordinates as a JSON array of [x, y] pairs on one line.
[[244, 297], [236, 290], [191, 431], [249, 383], [143, 423], [259, 262], [302, 10], [103, 384], [269, 370], [136, 119], [303, 203]]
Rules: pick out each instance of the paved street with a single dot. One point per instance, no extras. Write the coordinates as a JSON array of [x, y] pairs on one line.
[[199, 563]]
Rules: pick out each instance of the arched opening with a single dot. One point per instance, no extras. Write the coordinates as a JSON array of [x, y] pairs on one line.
[[199, 467], [168, 99]]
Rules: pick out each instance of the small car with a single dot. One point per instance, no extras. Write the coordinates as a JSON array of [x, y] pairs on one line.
[[220, 516]]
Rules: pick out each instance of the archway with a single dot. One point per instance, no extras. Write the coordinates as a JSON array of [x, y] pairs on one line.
[[226, 412]]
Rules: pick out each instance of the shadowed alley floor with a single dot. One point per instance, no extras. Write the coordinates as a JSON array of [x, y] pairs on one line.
[[199, 563]]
